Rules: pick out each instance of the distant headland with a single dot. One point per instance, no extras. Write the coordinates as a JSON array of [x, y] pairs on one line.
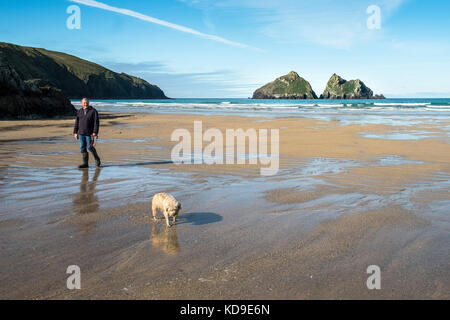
[[35, 83], [75, 77]]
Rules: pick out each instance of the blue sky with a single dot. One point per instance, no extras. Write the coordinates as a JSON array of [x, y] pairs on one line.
[[228, 48]]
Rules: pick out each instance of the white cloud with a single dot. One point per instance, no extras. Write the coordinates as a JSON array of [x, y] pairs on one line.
[[333, 23], [205, 84], [140, 16]]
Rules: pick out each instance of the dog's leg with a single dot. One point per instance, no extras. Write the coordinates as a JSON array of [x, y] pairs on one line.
[[154, 209], [174, 219], [166, 215]]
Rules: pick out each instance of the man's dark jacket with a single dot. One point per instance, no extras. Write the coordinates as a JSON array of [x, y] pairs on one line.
[[87, 124]]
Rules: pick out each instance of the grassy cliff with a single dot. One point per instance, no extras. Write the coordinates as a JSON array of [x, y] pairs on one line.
[[76, 77]]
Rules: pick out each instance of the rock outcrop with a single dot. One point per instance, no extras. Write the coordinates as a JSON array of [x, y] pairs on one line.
[[30, 99], [338, 88], [76, 77], [290, 86]]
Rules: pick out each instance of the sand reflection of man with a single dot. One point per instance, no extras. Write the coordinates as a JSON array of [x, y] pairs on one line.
[[86, 201]]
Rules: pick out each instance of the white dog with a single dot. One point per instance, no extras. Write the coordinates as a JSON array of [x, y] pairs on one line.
[[166, 203]]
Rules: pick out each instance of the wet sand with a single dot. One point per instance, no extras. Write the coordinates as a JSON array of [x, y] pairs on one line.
[[340, 202]]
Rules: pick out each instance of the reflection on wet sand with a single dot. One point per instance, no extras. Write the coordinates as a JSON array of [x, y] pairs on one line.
[[165, 239], [86, 201]]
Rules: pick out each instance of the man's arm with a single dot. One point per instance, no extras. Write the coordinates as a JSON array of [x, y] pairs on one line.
[[76, 126], [96, 123]]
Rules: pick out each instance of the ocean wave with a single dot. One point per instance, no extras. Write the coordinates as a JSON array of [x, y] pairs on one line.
[[329, 105], [282, 107], [437, 109], [403, 104], [436, 106], [291, 105]]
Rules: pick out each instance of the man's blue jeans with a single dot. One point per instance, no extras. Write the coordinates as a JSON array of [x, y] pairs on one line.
[[85, 143]]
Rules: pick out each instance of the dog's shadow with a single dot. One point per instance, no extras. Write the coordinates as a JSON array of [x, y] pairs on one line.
[[199, 218]]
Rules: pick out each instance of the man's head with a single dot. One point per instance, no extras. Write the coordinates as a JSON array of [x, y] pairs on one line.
[[85, 103]]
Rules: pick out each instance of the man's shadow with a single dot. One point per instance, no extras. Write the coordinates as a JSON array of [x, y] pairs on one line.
[[86, 201], [147, 163]]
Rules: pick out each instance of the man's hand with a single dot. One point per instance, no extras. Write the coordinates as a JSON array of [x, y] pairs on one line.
[[95, 135], [75, 135]]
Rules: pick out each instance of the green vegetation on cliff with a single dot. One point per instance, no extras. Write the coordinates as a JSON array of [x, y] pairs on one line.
[[76, 77], [338, 88]]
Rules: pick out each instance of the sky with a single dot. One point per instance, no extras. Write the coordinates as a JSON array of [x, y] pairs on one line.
[[229, 48]]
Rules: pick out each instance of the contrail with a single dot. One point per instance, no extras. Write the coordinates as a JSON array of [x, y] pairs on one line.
[[134, 14]]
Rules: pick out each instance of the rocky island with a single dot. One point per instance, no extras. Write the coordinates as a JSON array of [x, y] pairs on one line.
[[290, 86], [338, 88]]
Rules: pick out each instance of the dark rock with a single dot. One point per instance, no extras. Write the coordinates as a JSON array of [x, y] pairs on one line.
[[290, 86], [30, 99], [338, 88]]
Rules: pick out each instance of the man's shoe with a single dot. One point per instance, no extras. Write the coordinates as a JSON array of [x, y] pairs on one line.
[[85, 161]]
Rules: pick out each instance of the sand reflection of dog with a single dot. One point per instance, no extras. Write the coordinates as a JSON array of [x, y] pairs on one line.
[[165, 240], [169, 206]]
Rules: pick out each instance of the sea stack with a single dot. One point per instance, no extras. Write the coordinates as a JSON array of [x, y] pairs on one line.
[[290, 86], [338, 88]]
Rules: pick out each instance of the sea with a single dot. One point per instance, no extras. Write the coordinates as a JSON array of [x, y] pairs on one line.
[[401, 112]]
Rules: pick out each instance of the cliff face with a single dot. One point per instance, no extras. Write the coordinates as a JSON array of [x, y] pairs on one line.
[[76, 77], [338, 88], [31, 98], [290, 86]]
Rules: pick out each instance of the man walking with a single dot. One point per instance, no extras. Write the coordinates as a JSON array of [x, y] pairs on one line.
[[86, 130]]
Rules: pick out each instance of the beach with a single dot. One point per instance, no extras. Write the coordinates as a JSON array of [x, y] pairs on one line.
[[347, 195]]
